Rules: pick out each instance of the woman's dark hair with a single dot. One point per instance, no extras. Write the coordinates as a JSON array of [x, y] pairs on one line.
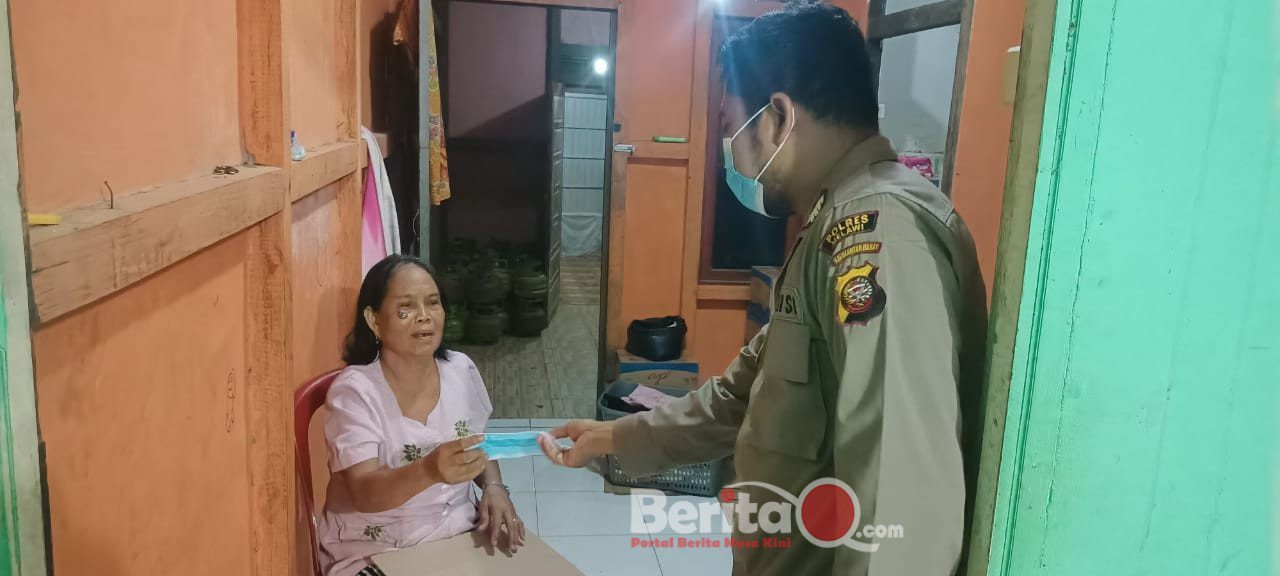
[[810, 51], [362, 346]]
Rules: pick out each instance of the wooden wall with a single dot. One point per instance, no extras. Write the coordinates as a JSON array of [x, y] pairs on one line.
[[174, 321]]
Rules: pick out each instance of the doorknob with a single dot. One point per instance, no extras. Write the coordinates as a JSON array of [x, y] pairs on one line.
[[625, 148]]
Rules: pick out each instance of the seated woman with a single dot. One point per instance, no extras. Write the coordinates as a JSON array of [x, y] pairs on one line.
[[402, 416]]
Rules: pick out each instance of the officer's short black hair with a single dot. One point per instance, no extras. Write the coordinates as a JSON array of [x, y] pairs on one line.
[[811, 51]]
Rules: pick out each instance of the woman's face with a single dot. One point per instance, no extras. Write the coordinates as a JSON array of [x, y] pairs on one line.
[[411, 319]]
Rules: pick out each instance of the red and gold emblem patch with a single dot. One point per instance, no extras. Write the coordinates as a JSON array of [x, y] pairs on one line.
[[859, 296]]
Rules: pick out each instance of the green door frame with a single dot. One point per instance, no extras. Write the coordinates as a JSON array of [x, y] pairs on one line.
[[21, 492]]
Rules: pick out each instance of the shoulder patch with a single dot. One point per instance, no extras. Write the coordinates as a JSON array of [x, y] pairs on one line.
[[859, 296], [856, 249], [848, 226], [787, 306]]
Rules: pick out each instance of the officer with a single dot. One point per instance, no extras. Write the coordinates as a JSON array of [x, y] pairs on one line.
[[877, 333]]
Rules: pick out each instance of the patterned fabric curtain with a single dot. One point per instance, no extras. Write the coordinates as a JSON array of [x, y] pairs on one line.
[[406, 36]]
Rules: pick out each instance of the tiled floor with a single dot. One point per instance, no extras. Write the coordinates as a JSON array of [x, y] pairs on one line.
[[554, 374], [570, 511]]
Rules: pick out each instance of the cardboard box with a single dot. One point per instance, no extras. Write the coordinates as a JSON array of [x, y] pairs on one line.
[[757, 317], [680, 373], [762, 279], [469, 555]]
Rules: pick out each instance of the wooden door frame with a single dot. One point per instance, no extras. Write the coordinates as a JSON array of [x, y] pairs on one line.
[[615, 176], [1001, 425], [21, 476], [882, 26]]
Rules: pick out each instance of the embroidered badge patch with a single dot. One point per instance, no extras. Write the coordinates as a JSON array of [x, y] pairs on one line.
[[848, 226], [856, 249], [859, 296], [787, 306]]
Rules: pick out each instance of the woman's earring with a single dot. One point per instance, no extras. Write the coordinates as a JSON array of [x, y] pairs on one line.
[[376, 340]]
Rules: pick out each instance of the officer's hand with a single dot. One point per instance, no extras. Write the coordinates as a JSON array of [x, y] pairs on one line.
[[591, 440]]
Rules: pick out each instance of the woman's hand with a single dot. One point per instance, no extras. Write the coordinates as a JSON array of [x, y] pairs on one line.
[[591, 440], [452, 463], [496, 513]]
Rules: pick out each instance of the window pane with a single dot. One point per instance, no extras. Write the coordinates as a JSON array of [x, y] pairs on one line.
[[742, 238]]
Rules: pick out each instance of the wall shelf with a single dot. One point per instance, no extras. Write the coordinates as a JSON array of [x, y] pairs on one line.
[[324, 165], [97, 250]]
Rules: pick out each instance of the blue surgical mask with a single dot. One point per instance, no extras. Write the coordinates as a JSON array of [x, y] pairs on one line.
[[501, 446], [748, 191]]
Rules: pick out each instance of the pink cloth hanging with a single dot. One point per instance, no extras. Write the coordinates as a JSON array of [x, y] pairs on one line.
[[372, 247]]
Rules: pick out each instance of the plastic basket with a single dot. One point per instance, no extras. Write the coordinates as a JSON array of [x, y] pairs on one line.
[[702, 479]]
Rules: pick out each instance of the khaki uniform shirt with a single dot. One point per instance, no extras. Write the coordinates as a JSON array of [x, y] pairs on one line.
[[876, 339]]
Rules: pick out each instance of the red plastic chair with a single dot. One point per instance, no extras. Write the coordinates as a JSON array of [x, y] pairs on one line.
[[306, 401]]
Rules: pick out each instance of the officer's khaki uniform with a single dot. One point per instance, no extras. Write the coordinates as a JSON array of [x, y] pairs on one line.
[[877, 332]]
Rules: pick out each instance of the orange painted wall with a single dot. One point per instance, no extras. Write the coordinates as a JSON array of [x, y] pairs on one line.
[[982, 149], [326, 276], [102, 98], [141, 406], [314, 107]]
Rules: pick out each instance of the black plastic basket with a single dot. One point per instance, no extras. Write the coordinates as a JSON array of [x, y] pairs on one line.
[[702, 479]]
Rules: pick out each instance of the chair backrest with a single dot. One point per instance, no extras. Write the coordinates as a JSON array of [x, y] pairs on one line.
[[306, 401]]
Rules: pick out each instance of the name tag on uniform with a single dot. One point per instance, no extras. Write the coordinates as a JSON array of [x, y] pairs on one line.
[[787, 306]]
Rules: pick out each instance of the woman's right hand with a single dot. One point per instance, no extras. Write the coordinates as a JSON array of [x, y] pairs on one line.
[[453, 463]]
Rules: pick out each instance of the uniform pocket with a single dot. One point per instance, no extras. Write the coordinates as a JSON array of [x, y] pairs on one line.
[[786, 413]]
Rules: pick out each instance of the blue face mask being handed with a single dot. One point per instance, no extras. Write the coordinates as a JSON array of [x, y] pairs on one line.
[[501, 446], [748, 191]]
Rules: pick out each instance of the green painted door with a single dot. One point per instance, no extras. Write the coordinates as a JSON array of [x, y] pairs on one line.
[[1141, 434]]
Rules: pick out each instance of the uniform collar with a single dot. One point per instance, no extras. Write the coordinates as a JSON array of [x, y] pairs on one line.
[[874, 149]]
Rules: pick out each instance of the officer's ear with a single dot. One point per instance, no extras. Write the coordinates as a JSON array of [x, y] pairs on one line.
[[781, 118]]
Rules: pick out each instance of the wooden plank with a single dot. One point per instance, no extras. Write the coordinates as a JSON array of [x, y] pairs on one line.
[[914, 20], [323, 166], [264, 126], [98, 251], [263, 119], [346, 35], [20, 475], [1015, 221], [268, 387], [918, 19], [698, 158], [740, 292], [957, 97]]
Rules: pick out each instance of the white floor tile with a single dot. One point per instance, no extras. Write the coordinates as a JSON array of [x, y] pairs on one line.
[[606, 555], [547, 422], [584, 514], [551, 477], [695, 561], [507, 423], [715, 523], [527, 508], [517, 473]]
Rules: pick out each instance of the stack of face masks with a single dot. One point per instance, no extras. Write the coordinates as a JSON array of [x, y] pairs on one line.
[[504, 445]]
